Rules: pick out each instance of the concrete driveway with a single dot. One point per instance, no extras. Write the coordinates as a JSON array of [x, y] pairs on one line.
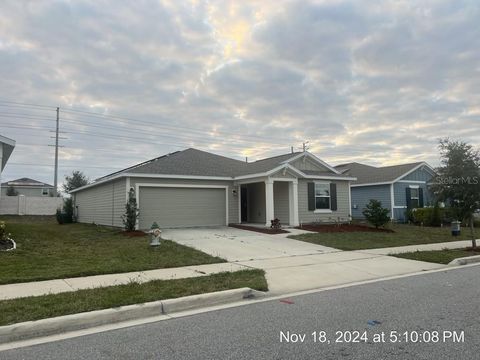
[[293, 265], [241, 245]]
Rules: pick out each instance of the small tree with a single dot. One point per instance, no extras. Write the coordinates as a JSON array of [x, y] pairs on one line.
[[74, 181], [376, 214], [11, 191], [458, 180], [131, 212]]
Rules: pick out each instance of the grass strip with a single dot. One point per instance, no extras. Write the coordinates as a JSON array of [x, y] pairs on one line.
[[403, 235], [444, 256], [46, 306]]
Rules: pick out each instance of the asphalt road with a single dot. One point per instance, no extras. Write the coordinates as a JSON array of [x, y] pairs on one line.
[[445, 302]]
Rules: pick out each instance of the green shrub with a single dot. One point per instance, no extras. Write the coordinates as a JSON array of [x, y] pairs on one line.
[[131, 212], [376, 214]]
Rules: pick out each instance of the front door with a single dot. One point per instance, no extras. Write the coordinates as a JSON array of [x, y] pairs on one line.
[[244, 203]]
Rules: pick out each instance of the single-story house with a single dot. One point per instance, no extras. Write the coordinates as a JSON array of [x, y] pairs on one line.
[[28, 187], [6, 148], [195, 188], [397, 187]]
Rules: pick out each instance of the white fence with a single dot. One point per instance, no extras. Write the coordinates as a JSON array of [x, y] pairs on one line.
[[29, 205]]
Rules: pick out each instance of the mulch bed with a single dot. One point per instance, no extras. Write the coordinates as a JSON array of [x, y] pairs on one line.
[[476, 250], [332, 228], [5, 245], [135, 233], [260, 230]]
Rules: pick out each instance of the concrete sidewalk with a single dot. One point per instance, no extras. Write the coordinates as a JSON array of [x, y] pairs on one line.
[[298, 266], [37, 288]]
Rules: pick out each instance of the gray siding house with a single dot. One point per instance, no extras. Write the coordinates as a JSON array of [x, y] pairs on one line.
[[397, 187], [6, 148], [195, 188], [28, 187]]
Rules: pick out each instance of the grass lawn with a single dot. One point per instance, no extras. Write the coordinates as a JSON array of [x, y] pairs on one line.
[[403, 235], [46, 250], [439, 256], [41, 307]]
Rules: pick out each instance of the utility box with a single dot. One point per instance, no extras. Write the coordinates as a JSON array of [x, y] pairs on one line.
[[456, 228]]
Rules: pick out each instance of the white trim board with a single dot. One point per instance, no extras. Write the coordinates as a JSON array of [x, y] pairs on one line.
[[225, 187]]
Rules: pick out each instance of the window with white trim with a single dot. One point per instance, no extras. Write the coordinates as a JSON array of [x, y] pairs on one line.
[[414, 197], [322, 196], [45, 192]]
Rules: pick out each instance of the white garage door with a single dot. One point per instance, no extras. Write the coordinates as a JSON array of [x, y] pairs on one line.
[[173, 207]]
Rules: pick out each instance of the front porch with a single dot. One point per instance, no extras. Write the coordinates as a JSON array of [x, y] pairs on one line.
[[262, 201]]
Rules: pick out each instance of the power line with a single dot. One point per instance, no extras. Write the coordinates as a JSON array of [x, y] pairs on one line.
[[16, 103]]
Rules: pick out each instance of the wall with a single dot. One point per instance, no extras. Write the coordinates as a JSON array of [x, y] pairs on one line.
[[27, 191], [308, 164], [306, 216], [24, 205], [103, 204], [361, 196]]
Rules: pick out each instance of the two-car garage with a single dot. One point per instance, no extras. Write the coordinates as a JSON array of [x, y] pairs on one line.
[[173, 206]]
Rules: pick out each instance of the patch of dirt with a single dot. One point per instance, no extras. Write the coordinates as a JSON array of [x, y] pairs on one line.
[[5, 245], [260, 230], [135, 233], [476, 250], [332, 228]]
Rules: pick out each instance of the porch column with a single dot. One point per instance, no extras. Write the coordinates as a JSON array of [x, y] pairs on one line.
[[293, 203], [269, 213]]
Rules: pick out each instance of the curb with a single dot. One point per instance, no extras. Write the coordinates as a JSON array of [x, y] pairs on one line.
[[45, 327], [465, 260]]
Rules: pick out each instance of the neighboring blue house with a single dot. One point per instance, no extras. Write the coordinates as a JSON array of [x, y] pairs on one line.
[[397, 187]]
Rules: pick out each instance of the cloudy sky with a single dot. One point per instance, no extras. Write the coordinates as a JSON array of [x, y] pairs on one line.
[[375, 82]]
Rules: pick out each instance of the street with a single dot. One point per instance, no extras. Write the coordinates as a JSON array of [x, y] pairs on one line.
[[431, 316]]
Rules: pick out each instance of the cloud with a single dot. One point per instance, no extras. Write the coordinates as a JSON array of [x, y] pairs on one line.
[[363, 81]]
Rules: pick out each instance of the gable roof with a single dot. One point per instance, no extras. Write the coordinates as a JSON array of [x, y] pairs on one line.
[[26, 182], [367, 174], [202, 164], [193, 162]]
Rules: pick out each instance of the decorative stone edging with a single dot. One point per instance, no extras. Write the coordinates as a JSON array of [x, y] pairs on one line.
[[13, 247]]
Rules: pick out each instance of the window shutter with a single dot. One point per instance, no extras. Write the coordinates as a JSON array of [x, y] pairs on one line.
[[333, 197], [409, 197], [311, 196], [420, 197]]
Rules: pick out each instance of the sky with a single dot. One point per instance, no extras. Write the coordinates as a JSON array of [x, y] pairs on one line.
[[377, 82]]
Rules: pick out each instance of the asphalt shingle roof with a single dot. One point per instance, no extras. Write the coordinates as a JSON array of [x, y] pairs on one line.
[[367, 174], [201, 163]]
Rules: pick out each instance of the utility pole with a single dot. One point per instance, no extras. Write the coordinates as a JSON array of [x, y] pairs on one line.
[[55, 179]]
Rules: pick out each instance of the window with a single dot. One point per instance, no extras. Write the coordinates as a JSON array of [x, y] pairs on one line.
[[45, 192], [414, 198], [322, 196]]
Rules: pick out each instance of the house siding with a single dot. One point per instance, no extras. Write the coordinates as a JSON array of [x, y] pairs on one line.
[[233, 200], [342, 212], [281, 202], [308, 164], [103, 204], [362, 195], [399, 190], [418, 175], [27, 191]]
